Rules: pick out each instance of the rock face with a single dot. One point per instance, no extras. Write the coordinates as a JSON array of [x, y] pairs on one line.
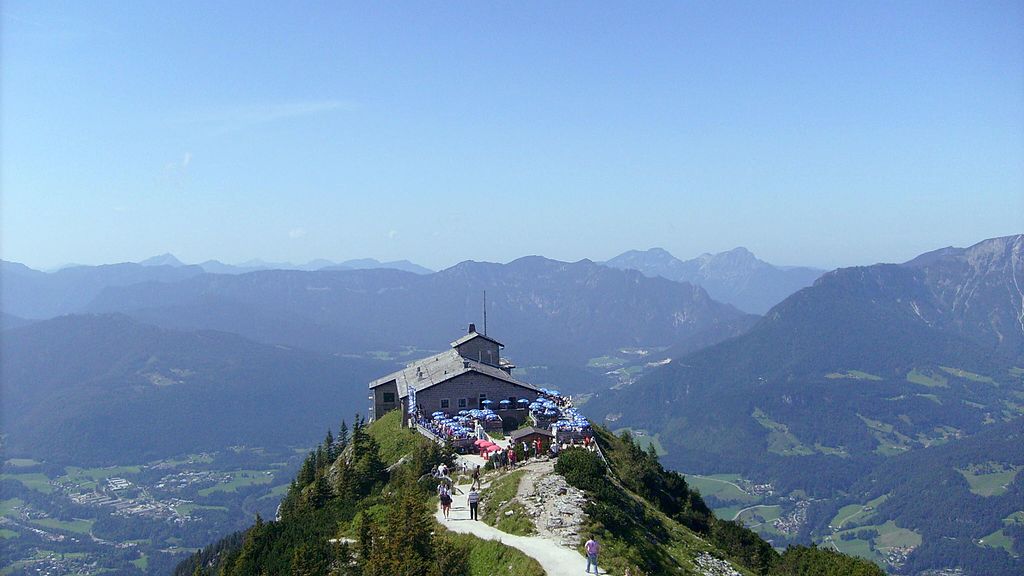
[[976, 291], [711, 566], [555, 507]]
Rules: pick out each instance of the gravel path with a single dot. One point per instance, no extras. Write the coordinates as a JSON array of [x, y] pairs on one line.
[[555, 559]]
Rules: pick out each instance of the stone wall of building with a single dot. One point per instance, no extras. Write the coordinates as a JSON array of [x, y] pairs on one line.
[[480, 349], [380, 407], [469, 386]]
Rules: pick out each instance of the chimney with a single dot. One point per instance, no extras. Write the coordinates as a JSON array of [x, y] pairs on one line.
[[472, 328]]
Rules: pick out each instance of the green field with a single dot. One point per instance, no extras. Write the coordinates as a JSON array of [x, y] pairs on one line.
[[605, 362], [758, 515], [997, 539], [7, 506], [142, 562], [961, 373], [8, 534], [927, 378], [240, 478], [780, 440], [889, 535], [77, 526], [990, 480], [190, 459], [643, 439], [22, 462], [861, 548], [186, 509], [90, 478], [34, 481], [890, 440], [276, 492], [722, 486], [97, 474], [858, 512], [852, 375]]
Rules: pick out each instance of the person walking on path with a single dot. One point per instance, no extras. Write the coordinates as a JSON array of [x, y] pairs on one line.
[[445, 496], [592, 548], [476, 477], [474, 503]]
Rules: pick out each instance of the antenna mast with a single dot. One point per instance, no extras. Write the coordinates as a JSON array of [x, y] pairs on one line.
[[485, 312]]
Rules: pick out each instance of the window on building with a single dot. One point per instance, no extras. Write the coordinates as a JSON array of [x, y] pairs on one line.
[[444, 403], [483, 397], [389, 397], [463, 402]]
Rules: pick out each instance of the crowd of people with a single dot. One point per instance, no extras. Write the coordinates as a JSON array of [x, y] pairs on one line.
[[460, 429], [557, 411]]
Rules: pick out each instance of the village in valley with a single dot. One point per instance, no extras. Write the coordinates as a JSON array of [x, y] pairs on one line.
[[91, 520]]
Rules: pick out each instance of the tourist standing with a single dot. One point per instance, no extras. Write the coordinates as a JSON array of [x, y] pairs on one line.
[[592, 549], [445, 495], [474, 502]]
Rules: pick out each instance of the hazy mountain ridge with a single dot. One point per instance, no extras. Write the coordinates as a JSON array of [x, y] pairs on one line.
[[256, 264], [542, 309], [107, 381], [33, 294], [736, 277]]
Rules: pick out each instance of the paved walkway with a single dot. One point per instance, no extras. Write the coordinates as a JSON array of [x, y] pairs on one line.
[[556, 560]]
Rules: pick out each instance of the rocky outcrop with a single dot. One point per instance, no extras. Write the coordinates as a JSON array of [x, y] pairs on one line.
[[555, 507]]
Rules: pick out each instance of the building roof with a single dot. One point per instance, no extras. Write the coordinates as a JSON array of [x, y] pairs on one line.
[[524, 432], [429, 372], [472, 335]]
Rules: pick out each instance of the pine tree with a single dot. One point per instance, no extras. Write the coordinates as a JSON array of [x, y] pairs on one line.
[[329, 447], [342, 437]]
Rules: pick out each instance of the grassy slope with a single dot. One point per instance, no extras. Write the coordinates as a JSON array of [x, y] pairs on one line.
[[497, 501], [663, 545]]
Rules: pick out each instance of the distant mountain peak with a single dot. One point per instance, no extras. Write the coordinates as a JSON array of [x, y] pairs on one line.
[[735, 276], [165, 259]]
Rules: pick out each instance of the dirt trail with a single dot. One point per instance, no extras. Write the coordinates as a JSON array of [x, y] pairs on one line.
[[555, 558]]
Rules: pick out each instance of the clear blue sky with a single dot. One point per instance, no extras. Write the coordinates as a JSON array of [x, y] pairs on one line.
[[819, 133]]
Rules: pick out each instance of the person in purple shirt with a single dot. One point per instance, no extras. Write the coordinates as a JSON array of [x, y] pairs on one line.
[[592, 549]]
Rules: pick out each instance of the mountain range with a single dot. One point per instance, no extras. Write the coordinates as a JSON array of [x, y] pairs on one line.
[[868, 365], [736, 277], [550, 311], [869, 376], [218, 267]]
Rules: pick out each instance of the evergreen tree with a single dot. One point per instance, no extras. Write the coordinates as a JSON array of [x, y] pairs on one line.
[[342, 437], [329, 447]]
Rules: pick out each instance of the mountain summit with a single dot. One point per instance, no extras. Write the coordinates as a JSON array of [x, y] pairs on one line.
[[736, 276]]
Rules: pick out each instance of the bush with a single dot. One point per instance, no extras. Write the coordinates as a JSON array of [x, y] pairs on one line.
[[581, 468]]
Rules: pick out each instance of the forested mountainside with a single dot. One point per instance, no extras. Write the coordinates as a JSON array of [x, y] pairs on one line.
[[104, 389], [356, 492], [549, 311], [735, 277], [869, 363]]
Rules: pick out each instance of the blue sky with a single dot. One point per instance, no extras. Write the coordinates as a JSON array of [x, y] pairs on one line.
[[817, 133]]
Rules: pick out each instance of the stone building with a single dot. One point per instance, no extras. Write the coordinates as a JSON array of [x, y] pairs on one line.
[[457, 379]]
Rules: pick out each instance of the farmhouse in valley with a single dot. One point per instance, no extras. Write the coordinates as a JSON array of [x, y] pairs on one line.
[[472, 375]]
